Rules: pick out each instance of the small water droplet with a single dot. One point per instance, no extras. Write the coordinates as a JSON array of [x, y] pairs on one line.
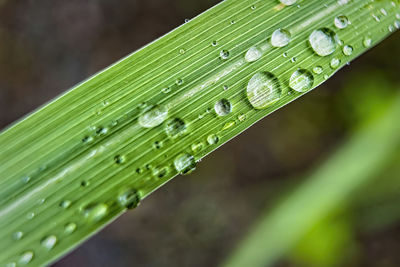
[[130, 198], [335, 62], [293, 59], [288, 2], [323, 41], [182, 51], [166, 90], [87, 139], [160, 171], [118, 159], [223, 107], [69, 228], [397, 24], [253, 7], [157, 144], [348, 50], [263, 90], [85, 183], [341, 22], [228, 125], [65, 204], [301, 80], [280, 38], [26, 257], [49, 242], [95, 212], [11, 264], [154, 117], [318, 69], [367, 42], [214, 43], [18, 235], [30, 215], [224, 54], [185, 163], [253, 54], [175, 127], [212, 139], [383, 11], [26, 179], [197, 147], [179, 81], [285, 54], [242, 117]]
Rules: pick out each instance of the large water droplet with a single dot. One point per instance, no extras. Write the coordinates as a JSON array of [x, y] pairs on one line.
[[69, 228], [26, 257], [323, 41], [49, 242], [175, 127], [288, 2], [223, 107], [253, 54], [154, 117], [95, 212], [280, 38], [341, 22], [263, 90], [130, 198], [185, 163], [301, 80]]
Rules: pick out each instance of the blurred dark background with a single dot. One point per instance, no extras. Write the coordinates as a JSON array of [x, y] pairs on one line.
[[48, 46]]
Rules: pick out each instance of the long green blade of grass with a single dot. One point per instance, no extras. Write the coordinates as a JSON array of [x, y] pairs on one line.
[[77, 163], [329, 187]]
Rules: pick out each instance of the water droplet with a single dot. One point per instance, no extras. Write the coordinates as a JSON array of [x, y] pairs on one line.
[[26, 257], [212, 139], [118, 159], [288, 2], [197, 147], [318, 69], [18, 235], [341, 22], [179, 81], [223, 107], [228, 125], [301, 80], [214, 43], [95, 212], [49, 242], [11, 264], [175, 127], [383, 11], [285, 54], [391, 28], [87, 139], [280, 38], [26, 179], [30, 215], [367, 42], [263, 90], [65, 204], [160, 171], [335, 62], [154, 117], [242, 117], [293, 59], [348, 50], [225, 87], [85, 183], [182, 51], [69, 228], [157, 144], [166, 90], [253, 7], [224, 54], [130, 198], [253, 54], [185, 163], [397, 24], [323, 41]]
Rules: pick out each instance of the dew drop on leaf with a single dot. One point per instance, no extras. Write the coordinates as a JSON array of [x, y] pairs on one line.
[[335, 62], [318, 69], [130, 198], [263, 90], [223, 107], [26, 257], [95, 212], [348, 50], [224, 54], [280, 38], [185, 163], [175, 127], [288, 2], [69, 228], [153, 117], [253, 54], [212, 139], [341, 22], [323, 41], [49, 242], [301, 80]]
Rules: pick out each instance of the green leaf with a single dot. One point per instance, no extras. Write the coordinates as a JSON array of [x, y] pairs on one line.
[[77, 163]]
